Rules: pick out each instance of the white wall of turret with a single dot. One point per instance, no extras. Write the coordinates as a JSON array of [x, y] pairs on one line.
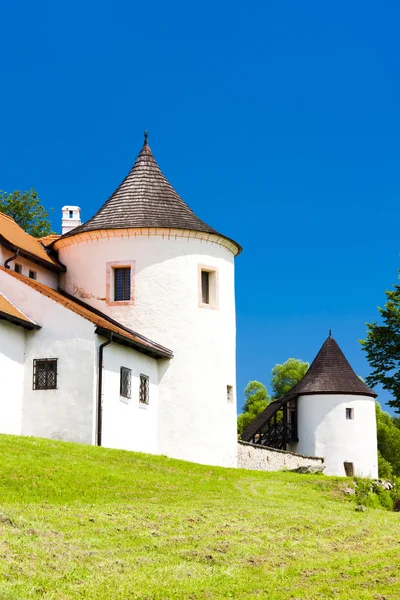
[[197, 409], [342, 429]]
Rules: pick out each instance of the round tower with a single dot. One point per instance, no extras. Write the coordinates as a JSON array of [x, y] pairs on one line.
[[336, 415], [149, 262]]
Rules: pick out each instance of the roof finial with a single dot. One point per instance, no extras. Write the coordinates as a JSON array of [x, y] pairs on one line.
[[330, 334], [146, 135]]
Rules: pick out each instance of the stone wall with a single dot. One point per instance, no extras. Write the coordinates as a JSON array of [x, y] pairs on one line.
[[262, 458]]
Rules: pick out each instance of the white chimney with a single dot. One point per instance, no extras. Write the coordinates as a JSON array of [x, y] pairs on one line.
[[71, 218]]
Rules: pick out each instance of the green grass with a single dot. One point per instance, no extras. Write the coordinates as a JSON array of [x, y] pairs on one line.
[[84, 522]]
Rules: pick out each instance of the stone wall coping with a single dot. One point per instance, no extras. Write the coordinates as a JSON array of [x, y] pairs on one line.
[[261, 447]]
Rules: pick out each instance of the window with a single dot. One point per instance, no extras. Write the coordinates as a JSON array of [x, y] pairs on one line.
[[45, 374], [71, 214], [32, 274], [125, 382], [229, 393], [349, 413], [122, 283], [18, 268], [205, 287], [120, 280], [208, 287], [144, 389]]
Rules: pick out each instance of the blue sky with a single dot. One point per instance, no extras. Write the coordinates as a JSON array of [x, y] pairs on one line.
[[278, 123]]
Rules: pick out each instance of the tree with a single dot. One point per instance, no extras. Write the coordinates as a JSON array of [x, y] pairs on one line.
[[382, 347], [257, 400], [285, 376], [26, 209], [388, 444]]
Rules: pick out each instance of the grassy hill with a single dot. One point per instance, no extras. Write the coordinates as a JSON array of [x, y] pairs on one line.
[[84, 522]]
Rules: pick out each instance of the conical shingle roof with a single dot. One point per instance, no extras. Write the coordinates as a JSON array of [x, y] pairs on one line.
[[145, 198], [331, 373]]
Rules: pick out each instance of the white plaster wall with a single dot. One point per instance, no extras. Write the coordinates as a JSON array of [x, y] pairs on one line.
[[323, 430], [195, 420], [12, 362], [43, 275], [66, 413], [127, 424]]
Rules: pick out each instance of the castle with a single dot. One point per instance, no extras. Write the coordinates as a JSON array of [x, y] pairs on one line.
[[121, 332]]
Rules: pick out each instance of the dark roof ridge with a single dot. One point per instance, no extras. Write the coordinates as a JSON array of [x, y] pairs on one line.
[[145, 198]]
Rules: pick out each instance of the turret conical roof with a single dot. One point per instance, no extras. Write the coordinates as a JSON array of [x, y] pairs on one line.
[[145, 198], [331, 373]]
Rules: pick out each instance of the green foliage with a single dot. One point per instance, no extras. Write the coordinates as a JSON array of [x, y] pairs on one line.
[[26, 209], [388, 440], [385, 469], [257, 400], [385, 498], [382, 347], [372, 495], [285, 376]]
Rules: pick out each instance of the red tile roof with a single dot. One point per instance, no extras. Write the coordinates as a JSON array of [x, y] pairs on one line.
[[13, 237], [103, 323]]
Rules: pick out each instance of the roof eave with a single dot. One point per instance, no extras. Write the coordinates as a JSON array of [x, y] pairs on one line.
[[136, 345], [370, 393], [16, 321], [72, 233], [51, 266]]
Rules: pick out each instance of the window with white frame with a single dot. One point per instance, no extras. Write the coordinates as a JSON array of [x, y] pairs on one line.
[[32, 274], [18, 268], [144, 389]]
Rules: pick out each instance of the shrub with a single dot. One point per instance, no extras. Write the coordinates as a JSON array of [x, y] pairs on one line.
[[385, 469]]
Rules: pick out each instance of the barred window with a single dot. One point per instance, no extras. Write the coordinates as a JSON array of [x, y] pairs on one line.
[[122, 283], [125, 384], [45, 374], [144, 389]]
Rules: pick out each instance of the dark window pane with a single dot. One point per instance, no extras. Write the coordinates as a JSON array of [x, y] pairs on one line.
[[144, 389], [45, 374], [205, 287], [125, 382], [122, 284]]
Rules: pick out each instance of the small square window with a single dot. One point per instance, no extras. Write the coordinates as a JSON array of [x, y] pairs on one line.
[[229, 393], [45, 374], [349, 413], [144, 389], [18, 268], [125, 384], [32, 274], [122, 284]]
